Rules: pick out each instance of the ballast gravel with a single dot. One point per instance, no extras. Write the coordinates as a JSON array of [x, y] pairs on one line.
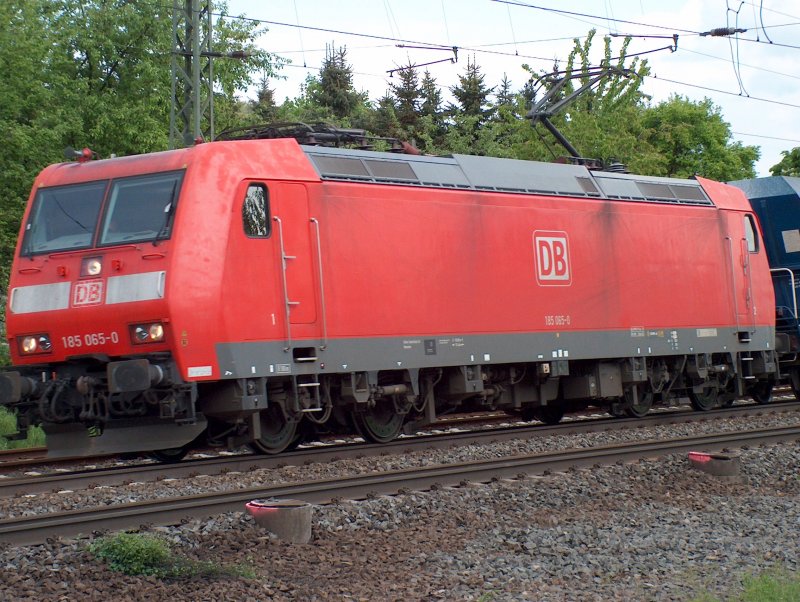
[[652, 530]]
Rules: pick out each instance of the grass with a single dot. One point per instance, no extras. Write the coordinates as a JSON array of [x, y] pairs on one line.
[[775, 585], [8, 425], [144, 554]]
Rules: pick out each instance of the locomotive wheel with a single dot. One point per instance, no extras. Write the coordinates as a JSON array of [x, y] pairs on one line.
[[549, 414], [640, 409], [380, 423], [277, 433], [705, 400], [170, 456], [762, 392]]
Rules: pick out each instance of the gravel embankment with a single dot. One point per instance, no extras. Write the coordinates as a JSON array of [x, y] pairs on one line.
[[653, 530]]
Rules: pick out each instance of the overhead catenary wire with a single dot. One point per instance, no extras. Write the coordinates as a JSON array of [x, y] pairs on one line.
[[299, 33], [597, 17], [796, 141], [726, 92], [734, 47], [757, 68], [484, 50], [762, 8]]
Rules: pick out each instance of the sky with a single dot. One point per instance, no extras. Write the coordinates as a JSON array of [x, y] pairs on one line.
[[753, 76]]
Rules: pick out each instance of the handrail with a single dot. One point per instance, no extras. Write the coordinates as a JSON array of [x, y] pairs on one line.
[[286, 302], [324, 345], [794, 290]]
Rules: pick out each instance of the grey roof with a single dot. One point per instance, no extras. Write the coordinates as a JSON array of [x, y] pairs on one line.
[[502, 175]]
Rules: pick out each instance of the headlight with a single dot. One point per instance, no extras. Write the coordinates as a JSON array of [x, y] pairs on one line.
[[147, 333], [32, 344], [91, 266]]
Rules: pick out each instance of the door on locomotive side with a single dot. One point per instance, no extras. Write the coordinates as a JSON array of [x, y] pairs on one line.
[[270, 269], [743, 243], [293, 237]]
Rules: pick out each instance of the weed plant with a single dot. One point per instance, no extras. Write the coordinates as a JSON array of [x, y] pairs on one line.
[[144, 554], [8, 425]]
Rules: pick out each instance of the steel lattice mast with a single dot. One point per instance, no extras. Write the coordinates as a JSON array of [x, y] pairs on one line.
[[192, 113]]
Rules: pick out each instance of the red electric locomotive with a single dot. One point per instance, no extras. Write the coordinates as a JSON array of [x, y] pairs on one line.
[[235, 291]]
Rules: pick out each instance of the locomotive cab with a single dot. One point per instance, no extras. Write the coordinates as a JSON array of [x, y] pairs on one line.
[[89, 315]]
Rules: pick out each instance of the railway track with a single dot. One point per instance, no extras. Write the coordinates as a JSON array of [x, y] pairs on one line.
[[34, 458], [114, 476], [36, 529], [12, 458]]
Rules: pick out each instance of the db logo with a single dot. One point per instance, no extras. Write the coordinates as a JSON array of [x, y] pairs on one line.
[[552, 258], [87, 293]]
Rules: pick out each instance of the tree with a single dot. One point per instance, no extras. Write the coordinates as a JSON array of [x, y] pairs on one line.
[[505, 96], [334, 87], [471, 110], [605, 121], [384, 119], [472, 94], [431, 96], [789, 165], [692, 138], [432, 126], [264, 107], [407, 97]]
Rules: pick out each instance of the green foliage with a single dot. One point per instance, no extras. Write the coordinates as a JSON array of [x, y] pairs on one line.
[[604, 122], [775, 585], [471, 94], [8, 426], [407, 97], [143, 554], [789, 165], [264, 108], [334, 87], [772, 586], [692, 138], [135, 554]]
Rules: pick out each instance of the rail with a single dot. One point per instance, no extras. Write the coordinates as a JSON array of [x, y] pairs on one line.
[[27, 530]]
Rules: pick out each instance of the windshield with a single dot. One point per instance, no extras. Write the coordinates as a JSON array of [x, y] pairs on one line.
[[140, 209], [64, 218], [136, 209]]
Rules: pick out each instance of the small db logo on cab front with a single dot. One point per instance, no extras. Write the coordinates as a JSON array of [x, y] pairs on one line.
[[551, 249], [87, 293]]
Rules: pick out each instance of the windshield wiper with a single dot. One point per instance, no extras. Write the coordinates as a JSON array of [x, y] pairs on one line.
[[169, 210]]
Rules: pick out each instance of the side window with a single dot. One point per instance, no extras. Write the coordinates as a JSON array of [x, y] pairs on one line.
[[750, 233], [255, 212]]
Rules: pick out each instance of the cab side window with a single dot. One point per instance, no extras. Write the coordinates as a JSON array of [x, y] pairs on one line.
[[255, 212], [750, 234]]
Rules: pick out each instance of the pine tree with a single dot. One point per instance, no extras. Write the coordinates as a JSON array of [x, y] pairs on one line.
[[504, 95], [432, 127], [264, 107], [472, 94], [335, 89], [431, 96], [384, 121], [407, 96]]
